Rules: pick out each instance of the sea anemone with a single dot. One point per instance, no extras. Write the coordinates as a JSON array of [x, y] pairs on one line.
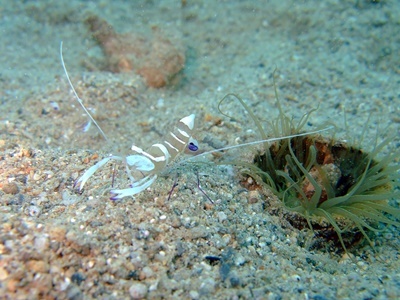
[[322, 177]]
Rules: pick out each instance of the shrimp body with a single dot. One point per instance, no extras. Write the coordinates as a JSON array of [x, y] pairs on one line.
[[175, 142], [150, 163]]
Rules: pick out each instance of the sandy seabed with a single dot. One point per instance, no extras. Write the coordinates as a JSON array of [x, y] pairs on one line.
[[57, 243]]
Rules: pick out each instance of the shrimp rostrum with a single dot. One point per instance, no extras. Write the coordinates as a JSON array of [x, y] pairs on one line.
[[143, 167]]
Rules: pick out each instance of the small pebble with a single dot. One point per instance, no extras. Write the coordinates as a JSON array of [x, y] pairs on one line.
[[38, 266], [10, 188], [296, 277], [207, 287], [41, 243], [68, 199], [90, 264], [3, 274], [234, 281], [240, 260], [253, 197], [57, 233], [77, 278], [194, 295], [222, 216], [33, 211], [12, 285], [54, 105], [199, 232], [73, 292], [148, 272], [138, 291]]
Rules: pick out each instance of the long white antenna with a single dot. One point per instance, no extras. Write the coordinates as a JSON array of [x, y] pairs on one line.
[[77, 97], [262, 141]]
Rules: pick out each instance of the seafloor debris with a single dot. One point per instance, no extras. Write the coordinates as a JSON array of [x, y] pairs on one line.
[[157, 59]]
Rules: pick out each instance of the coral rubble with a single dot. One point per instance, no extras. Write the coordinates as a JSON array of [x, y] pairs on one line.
[[157, 59]]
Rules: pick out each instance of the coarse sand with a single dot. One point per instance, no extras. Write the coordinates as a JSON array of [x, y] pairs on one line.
[[209, 237]]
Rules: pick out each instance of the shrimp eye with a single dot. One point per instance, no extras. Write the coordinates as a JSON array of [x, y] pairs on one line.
[[193, 145]]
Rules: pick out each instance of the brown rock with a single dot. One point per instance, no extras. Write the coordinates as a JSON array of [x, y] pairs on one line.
[[12, 285], [10, 188], [158, 59], [57, 233], [38, 266]]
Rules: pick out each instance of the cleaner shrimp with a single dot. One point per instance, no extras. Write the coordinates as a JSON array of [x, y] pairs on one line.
[[148, 163], [151, 163]]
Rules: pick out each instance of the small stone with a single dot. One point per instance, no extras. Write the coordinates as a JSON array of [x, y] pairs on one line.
[[73, 292], [194, 295], [134, 274], [207, 287], [12, 285], [235, 281], [91, 264], [148, 272], [208, 206], [77, 278], [138, 290], [199, 232], [38, 266], [41, 243], [68, 199], [10, 188], [33, 211], [109, 279], [222, 216], [175, 222], [253, 197], [240, 260], [3, 274], [57, 233], [296, 277]]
